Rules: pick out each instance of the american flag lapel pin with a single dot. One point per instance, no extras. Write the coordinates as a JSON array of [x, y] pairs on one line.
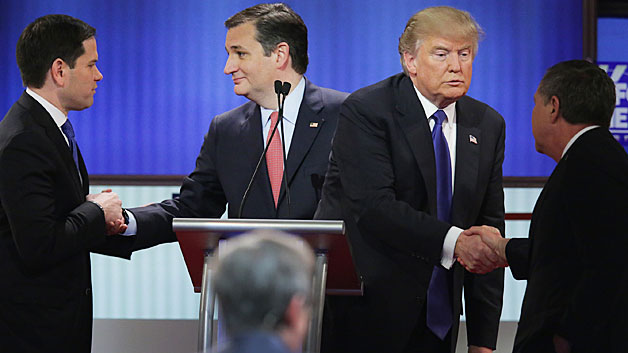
[[473, 139], [313, 124]]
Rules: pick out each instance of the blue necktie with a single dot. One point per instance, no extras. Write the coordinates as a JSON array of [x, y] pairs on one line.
[[439, 311], [68, 130]]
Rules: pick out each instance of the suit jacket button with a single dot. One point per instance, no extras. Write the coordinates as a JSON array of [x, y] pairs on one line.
[[88, 291]]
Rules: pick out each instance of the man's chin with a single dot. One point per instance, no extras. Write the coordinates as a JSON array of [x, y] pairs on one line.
[[454, 95], [239, 91]]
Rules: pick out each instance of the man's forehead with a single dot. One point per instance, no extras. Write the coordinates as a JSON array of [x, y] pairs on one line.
[[90, 48], [451, 43]]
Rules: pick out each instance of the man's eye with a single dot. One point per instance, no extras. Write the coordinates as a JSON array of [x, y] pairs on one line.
[[465, 55], [440, 56], [241, 54]]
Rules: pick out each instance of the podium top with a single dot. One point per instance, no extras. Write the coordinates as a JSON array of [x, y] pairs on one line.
[[242, 225], [199, 238]]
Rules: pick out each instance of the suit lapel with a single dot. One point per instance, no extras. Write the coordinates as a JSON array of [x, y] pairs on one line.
[[304, 135], [467, 160], [43, 118], [415, 126], [83, 171]]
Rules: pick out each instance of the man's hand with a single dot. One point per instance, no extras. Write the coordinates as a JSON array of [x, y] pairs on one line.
[[561, 345], [476, 349], [112, 206], [493, 239], [476, 254]]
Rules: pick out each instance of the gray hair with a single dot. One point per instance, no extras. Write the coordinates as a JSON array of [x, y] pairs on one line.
[[257, 276], [441, 21], [586, 93]]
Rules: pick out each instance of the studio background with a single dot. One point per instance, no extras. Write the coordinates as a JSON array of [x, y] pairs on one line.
[[162, 62]]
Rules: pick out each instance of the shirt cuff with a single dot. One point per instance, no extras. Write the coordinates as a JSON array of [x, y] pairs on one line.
[[449, 245], [132, 226]]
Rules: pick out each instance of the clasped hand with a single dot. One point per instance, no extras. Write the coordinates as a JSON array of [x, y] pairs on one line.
[[481, 249], [112, 206]]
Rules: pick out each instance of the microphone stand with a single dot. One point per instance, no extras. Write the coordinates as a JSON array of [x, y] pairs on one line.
[[285, 89], [279, 89]]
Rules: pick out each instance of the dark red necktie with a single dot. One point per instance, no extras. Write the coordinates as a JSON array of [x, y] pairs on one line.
[[274, 158]]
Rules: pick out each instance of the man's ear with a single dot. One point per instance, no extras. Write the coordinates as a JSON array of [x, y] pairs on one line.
[[58, 72], [296, 311], [555, 106], [282, 51], [410, 62]]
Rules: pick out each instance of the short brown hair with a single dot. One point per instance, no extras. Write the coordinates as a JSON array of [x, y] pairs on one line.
[[276, 23], [47, 39]]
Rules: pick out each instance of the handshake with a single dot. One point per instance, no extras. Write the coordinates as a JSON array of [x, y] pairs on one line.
[[481, 249], [112, 207]]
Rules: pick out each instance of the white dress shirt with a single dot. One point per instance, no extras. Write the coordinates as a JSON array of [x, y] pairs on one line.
[[290, 113], [56, 114], [575, 137], [449, 130]]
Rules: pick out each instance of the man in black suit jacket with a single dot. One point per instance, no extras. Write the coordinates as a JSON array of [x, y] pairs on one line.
[[575, 299], [48, 222], [266, 42], [382, 182]]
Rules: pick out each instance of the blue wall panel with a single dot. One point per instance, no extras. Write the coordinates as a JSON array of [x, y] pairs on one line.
[[162, 62], [612, 44]]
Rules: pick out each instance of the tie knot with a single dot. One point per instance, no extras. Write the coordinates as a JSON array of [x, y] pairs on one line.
[[67, 129], [439, 116]]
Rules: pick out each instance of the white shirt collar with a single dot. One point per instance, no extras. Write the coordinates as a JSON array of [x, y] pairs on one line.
[[291, 105], [429, 108], [56, 114], [576, 136]]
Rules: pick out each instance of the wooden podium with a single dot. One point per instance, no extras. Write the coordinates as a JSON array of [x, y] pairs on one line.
[[334, 272]]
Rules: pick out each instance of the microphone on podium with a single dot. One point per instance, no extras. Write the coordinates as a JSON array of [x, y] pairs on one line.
[[281, 89]]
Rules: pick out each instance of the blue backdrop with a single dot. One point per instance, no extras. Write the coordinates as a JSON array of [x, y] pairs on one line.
[[162, 62]]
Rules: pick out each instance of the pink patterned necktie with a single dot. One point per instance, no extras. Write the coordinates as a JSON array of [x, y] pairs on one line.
[[274, 158]]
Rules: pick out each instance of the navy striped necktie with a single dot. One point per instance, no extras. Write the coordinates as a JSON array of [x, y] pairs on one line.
[[68, 130], [439, 310]]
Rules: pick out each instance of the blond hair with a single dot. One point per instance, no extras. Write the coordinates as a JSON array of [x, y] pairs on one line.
[[441, 21]]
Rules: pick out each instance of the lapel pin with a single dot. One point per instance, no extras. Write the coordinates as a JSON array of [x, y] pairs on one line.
[[473, 140], [313, 124]]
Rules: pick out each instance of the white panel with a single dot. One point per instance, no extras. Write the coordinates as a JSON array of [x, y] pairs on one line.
[[155, 284]]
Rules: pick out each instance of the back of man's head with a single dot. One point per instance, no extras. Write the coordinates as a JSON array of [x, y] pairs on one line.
[[46, 39], [276, 23], [439, 21], [586, 93], [257, 277]]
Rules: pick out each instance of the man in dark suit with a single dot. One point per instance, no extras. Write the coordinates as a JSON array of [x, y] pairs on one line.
[[266, 42], [265, 308], [48, 222], [392, 182], [575, 299]]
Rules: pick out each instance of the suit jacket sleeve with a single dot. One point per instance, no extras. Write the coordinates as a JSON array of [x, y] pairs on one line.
[[484, 293], [517, 254], [201, 194], [45, 230]]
